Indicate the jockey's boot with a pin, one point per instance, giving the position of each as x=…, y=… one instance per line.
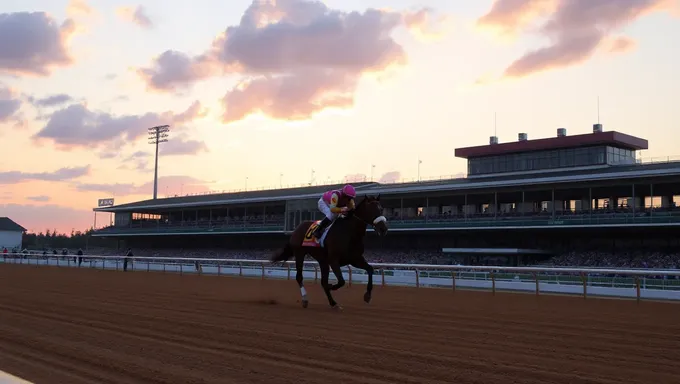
x=322, y=225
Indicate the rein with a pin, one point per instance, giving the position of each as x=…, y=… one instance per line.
x=375, y=222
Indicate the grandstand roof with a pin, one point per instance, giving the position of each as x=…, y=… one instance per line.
x=494, y=181
x=265, y=195
x=7, y=224
x=612, y=138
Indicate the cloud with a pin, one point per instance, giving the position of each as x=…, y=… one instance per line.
x=426, y=23
x=621, y=45
x=10, y=104
x=576, y=29
x=136, y=15
x=51, y=101
x=183, y=145
x=509, y=17
x=38, y=218
x=41, y=198
x=172, y=184
x=62, y=174
x=76, y=8
x=77, y=126
x=390, y=177
x=38, y=43
x=294, y=58
x=137, y=161
x=292, y=97
x=355, y=178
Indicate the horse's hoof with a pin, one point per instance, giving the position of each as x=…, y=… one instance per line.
x=305, y=303
x=337, y=307
x=367, y=298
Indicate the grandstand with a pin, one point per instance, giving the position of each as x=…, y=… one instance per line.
x=587, y=191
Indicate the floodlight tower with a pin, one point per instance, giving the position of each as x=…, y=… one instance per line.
x=157, y=135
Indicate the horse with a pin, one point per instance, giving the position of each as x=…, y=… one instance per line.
x=343, y=245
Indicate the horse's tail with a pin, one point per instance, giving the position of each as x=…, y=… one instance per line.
x=284, y=254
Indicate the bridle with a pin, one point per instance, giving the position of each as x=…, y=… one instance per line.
x=376, y=221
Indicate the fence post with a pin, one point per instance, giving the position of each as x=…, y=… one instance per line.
x=219, y=269
x=240, y=269
x=637, y=287
x=453, y=280
x=349, y=282
x=536, y=278
x=585, y=285
x=417, y=279
x=493, y=283
x=382, y=273
x=288, y=269
x=316, y=274
x=181, y=269
x=262, y=265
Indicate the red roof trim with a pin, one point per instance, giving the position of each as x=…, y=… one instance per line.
x=613, y=138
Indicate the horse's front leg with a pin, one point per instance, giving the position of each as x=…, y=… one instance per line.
x=363, y=264
x=325, y=271
x=338, y=275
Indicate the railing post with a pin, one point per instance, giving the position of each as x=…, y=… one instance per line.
x=181, y=269
x=417, y=279
x=219, y=269
x=240, y=269
x=585, y=285
x=493, y=283
x=148, y=266
x=637, y=287
x=382, y=273
x=316, y=274
x=288, y=270
x=262, y=265
x=453, y=280
x=349, y=281
x=536, y=278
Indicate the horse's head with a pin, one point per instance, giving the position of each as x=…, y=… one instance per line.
x=370, y=211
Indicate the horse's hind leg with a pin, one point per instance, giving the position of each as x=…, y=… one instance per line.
x=299, y=266
x=363, y=264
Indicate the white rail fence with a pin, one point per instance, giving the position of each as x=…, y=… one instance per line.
x=629, y=283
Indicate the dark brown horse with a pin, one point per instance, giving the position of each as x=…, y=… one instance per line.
x=343, y=245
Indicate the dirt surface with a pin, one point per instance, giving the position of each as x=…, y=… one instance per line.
x=61, y=325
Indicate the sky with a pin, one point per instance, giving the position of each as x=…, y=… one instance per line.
x=270, y=93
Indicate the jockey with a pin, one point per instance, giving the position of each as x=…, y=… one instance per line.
x=333, y=203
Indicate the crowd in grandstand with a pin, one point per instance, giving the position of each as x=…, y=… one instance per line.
x=631, y=259
x=594, y=259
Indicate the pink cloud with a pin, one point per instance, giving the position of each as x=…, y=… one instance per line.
x=173, y=184
x=136, y=15
x=10, y=104
x=78, y=126
x=576, y=28
x=38, y=43
x=295, y=57
x=62, y=174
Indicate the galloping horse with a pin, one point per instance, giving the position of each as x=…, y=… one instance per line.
x=342, y=245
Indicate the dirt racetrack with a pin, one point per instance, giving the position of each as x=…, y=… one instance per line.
x=61, y=325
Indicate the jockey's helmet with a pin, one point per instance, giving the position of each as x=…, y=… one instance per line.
x=349, y=191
